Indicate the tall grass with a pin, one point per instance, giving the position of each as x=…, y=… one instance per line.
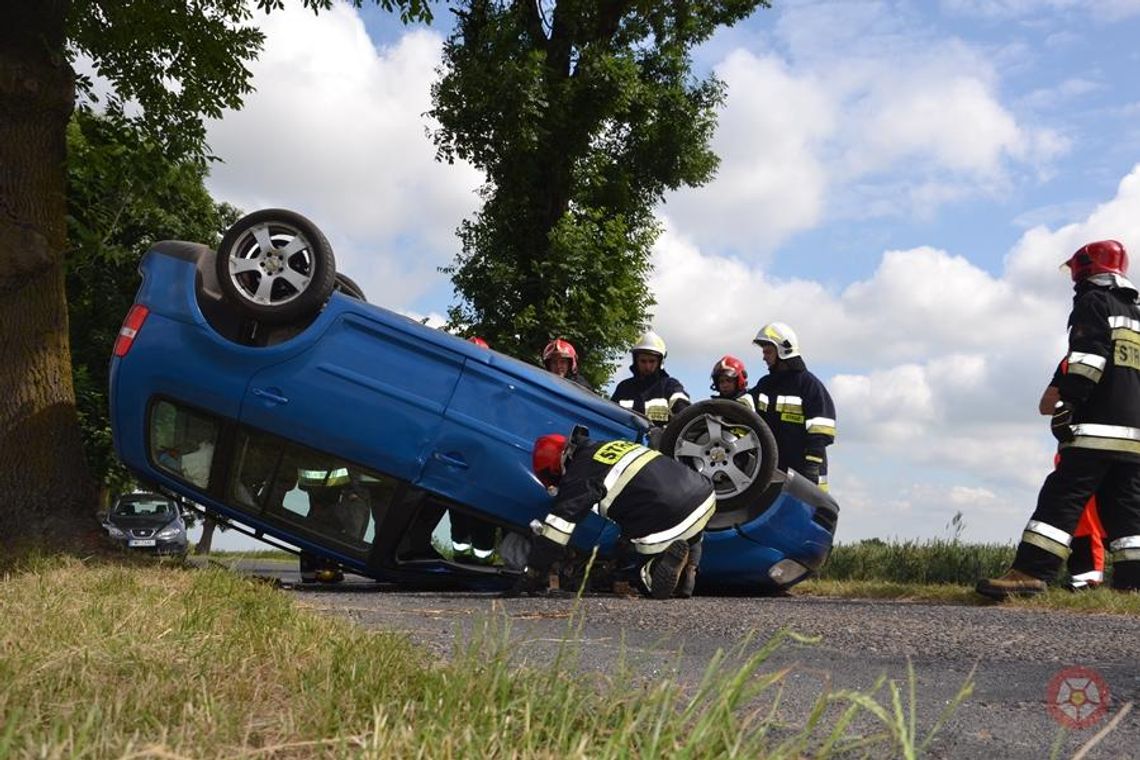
x=128, y=662
x=929, y=561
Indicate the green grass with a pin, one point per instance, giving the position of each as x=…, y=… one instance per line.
x=273, y=554
x=110, y=661
x=943, y=571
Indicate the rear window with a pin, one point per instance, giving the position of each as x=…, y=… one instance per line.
x=182, y=442
x=144, y=507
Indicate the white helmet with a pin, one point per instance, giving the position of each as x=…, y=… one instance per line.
x=650, y=343
x=781, y=336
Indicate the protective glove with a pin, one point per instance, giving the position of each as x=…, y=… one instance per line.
x=1061, y=423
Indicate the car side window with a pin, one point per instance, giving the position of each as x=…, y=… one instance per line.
x=182, y=442
x=315, y=495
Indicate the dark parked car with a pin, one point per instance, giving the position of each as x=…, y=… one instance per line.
x=257, y=382
x=147, y=522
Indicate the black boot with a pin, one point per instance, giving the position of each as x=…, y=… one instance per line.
x=662, y=573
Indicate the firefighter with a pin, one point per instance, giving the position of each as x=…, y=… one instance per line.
x=795, y=404
x=560, y=358
x=660, y=505
x=730, y=381
x=651, y=391
x=1086, y=562
x=1097, y=424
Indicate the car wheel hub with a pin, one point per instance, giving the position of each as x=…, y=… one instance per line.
x=716, y=456
x=273, y=264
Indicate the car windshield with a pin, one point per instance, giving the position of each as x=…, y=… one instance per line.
x=143, y=507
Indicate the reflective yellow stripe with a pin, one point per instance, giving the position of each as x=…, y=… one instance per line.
x=821, y=426
x=1048, y=544
x=655, y=543
x=789, y=404
x=628, y=472
x=1080, y=370
x=1124, y=334
x=1125, y=555
x=556, y=529
x=1103, y=444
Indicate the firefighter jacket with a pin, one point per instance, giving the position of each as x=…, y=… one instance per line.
x=658, y=396
x=742, y=397
x=655, y=500
x=1101, y=374
x=801, y=414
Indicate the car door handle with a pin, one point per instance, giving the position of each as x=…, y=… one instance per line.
x=455, y=460
x=272, y=395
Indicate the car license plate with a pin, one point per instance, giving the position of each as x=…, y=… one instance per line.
x=141, y=542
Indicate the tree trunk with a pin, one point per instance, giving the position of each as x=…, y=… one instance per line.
x=207, y=540
x=46, y=495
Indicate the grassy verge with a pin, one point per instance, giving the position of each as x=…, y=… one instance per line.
x=943, y=571
x=1098, y=600
x=110, y=661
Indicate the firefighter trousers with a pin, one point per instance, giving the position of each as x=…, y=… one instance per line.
x=1047, y=539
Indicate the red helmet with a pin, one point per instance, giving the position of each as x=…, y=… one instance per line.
x=560, y=348
x=730, y=366
x=547, y=458
x=1101, y=257
x=478, y=341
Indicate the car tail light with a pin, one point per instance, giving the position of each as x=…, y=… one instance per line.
x=131, y=326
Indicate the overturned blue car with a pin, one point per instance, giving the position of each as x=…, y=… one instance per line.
x=256, y=381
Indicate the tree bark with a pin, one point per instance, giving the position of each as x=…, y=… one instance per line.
x=207, y=540
x=47, y=497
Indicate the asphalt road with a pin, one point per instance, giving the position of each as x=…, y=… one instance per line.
x=1014, y=653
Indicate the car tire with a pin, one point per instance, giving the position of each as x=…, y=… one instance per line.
x=345, y=284
x=277, y=266
x=728, y=443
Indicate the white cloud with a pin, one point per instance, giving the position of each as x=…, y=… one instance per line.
x=1060, y=94
x=866, y=114
x=942, y=364
x=336, y=131
x=771, y=180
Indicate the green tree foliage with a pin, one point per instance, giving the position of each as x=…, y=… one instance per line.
x=177, y=63
x=123, y=194
x=202, y=48
x=582, y=114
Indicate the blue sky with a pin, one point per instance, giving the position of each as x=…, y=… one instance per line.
x=899, y=182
